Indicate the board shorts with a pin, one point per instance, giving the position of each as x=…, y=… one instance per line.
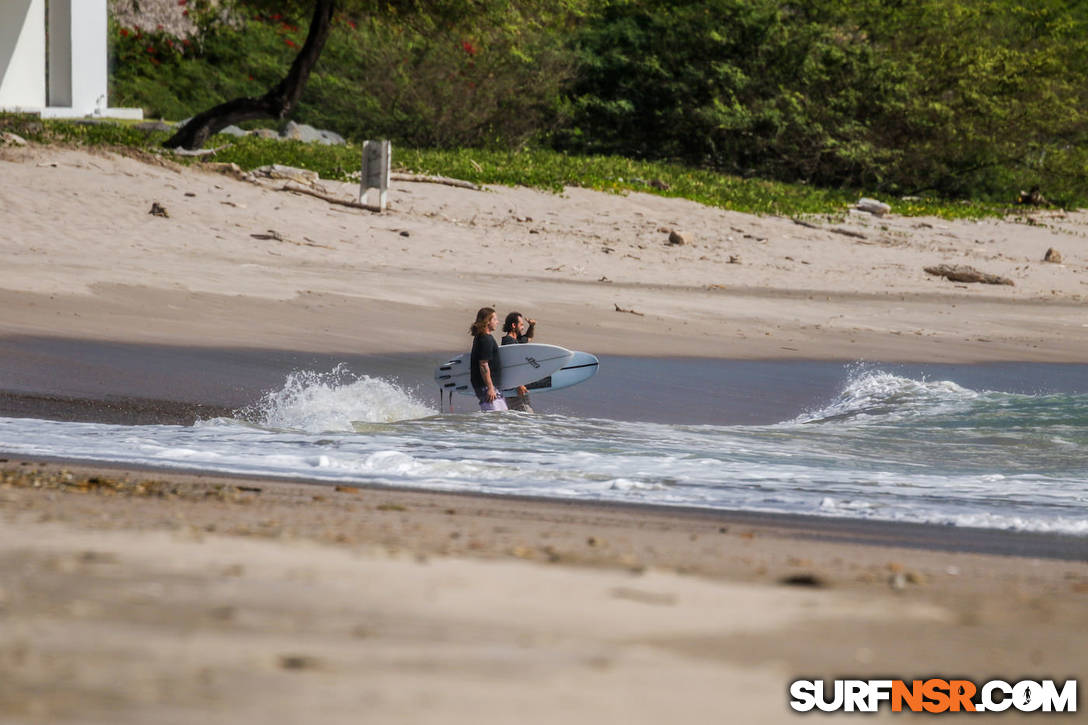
x=498, y=403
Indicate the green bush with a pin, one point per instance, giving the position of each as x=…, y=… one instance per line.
x=957, y=98
x=475, y=82
x=974, y=99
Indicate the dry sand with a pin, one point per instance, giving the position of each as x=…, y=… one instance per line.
x=208, y=600
x=244, y=265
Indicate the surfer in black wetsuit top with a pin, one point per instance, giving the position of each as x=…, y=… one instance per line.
x=485, y=367
x=519, y=330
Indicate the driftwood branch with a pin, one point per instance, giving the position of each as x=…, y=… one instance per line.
x=435, y=180
x=835, y=230
x=326, y=197
x=965, y=273
x=848, y=233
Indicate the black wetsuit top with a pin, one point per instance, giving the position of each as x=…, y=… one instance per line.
x=484, y=349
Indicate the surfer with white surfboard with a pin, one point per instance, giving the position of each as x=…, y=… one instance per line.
x=493, y=373
x=519, y=331
x=485, y=365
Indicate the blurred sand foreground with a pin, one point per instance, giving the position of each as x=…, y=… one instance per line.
x=138, y=598
x=240, y=264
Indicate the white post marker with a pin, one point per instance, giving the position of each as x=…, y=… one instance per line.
x=377, y=157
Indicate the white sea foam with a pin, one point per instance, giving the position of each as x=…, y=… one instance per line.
x=319, y=402
x=879, y=396
x=887, y=448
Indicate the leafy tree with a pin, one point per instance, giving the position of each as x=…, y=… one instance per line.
x=953, y=97
x=464, y=68
x=277, y=102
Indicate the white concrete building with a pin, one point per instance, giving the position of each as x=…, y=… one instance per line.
x=53, y=59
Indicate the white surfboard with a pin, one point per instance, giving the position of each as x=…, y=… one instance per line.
x=521, y=365
x=581, y=367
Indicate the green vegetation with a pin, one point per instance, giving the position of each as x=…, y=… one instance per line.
x=951, y=99
x=957, y=99
x=963, y=99
x=536, y=168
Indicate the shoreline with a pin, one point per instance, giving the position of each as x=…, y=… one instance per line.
x=93, y=380
x=131, y=598
x=835, y=530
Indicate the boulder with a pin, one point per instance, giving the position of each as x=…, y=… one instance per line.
x=11, y=139
x=233, y=131
x=331, y=138
x=874, y=207
x=678, y=238
x=309, y=134
x=1053, y=255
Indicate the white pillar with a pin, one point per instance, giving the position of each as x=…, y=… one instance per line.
x=22, y=54
x=78, y=57
x=374, y=185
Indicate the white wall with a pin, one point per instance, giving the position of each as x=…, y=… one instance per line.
x=90, y=75
x=22, y=53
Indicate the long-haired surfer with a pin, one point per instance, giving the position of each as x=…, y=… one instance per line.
x=484, y=363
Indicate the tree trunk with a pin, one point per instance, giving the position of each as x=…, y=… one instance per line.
x=277, y=103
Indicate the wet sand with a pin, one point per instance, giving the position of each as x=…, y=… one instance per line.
x=137, y=596
x=132, y=383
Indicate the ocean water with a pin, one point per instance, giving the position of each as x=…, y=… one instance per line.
x=886, y=446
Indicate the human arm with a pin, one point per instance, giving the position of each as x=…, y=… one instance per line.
x=485, y=373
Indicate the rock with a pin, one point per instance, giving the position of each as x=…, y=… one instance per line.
x=158, y=209
x=659, y=185
x=263, y=133
x=300, y=132
x=966, y=273
x=233, y=131
x=155, y=126
x=298, y=662
x=803, y=580
x=11, y=139
x=309, y=134
x=1053, y=255
x=331, y=138
x=874, y=207
x=677, y=238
